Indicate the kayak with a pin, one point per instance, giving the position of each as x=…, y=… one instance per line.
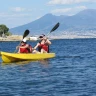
x=15, y=57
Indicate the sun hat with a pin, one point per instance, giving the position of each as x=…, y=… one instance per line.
x=24, y=40
x=41, y=36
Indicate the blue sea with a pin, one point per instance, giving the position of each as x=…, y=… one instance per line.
x=71, y=73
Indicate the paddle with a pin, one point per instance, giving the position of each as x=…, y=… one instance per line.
x=54, y=28
x=24, y=35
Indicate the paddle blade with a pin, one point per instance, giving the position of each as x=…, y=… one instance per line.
x=55, y=27
x=25, y=33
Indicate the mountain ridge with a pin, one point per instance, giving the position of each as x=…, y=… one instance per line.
x=84, y=20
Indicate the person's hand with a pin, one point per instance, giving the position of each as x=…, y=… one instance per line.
x=45, y=38
x=33, y=48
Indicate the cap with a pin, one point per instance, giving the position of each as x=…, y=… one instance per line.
x=24, y=40
x=41, y=36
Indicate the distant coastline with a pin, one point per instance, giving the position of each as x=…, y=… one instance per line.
x=19, y=37
x=72, y=37
x=11, y=38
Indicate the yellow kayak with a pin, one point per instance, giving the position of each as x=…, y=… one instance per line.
x=15, y=57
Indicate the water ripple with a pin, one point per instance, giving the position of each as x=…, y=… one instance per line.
x=70, y=73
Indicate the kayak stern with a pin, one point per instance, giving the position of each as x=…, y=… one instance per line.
x=15, y=57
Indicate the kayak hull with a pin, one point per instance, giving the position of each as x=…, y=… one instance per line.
x=15, y=57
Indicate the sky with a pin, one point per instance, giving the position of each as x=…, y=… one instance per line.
x=14, y=13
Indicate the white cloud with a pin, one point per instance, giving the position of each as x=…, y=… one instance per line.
x=9, y=15
x=61, y=10
x=68, y=11
x=81, y=7
x=53, y=2
x=18, y=9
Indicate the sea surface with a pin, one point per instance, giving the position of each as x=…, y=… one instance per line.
x=71, y=73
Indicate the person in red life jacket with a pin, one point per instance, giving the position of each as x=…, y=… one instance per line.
x=24, y=47
x=43, y=45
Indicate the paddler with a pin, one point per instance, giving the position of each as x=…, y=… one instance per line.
x=24, y=47
x=43, y=45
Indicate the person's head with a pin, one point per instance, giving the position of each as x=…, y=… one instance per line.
x=41, y=36
x=23, y=42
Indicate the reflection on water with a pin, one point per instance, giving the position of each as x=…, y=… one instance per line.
x=46, y=61
x=26, y=66
x=17, y=63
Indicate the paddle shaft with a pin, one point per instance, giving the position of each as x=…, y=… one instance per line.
x=54, y=28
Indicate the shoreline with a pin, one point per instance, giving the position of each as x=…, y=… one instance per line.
x=19, y=37
x=11, y=38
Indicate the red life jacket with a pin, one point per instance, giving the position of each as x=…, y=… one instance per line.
x=44, y=46
x=26, y=50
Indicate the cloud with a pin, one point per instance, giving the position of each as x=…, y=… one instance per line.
x=9, y=15
x=54, y=2
x=18, y=9
x=68, y=11
x=61, y=10
x=81, y=7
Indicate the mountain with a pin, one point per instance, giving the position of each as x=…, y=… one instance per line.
x=44, y=24
x=84, y=20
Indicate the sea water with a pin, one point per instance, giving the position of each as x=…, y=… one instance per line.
x=71, y=73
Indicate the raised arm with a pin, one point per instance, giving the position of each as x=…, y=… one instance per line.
x=47, y=41
x=36, y=46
